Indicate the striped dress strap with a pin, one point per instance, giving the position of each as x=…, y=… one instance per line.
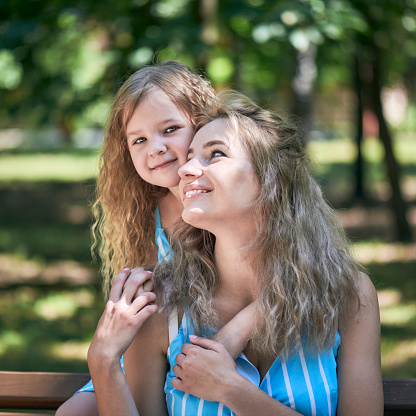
x=173, y=325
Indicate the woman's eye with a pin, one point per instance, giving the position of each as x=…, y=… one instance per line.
x=217, y=153
x=171, y=129
x=139, y=140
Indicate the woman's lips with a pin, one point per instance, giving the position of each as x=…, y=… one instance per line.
x=192, y=192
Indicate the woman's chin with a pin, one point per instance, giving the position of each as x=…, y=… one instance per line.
x=194, y=216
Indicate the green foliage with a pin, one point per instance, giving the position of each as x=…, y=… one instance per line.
x=62, y=60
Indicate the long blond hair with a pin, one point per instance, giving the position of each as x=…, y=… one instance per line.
x=124, y=226
x=302, y=255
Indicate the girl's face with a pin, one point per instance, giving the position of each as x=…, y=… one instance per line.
x=218, y=184
x=158, y=138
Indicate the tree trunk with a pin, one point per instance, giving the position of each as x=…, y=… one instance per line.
x=302, y=85
x=359, y=163
x=208, y=11
x=398, y=204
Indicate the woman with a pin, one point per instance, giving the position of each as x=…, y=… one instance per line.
x=258, y=231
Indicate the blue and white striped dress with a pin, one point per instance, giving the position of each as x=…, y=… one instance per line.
x=307, y=384
x=163, y=254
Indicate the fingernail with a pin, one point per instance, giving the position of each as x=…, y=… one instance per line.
x=148, y=271
x=194, y=337
x=126, y=269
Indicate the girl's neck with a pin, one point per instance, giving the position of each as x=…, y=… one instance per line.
x=170, y=208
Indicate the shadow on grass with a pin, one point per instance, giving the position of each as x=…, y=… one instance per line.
x=397, y=275
x=35, y=319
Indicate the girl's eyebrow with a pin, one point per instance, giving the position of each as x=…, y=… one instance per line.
x=162, y=122
x=209, y=144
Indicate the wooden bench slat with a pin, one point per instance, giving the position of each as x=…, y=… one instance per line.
x=399, y=394
x=24, y=414
x=38, y=390
x=30, y=390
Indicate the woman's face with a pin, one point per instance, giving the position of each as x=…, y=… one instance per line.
x=158, y=138
x=218, y=184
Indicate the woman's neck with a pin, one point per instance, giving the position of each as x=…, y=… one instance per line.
x=238, y=284
x=170, y=209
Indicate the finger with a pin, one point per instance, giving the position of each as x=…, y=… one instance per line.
x=177, y=383
x=145, y=287
x=143, y=300
x=177, y=369
x=180, y=358
x=132, y=284
x=118, y=283
x=140, y=317
x=206, y=343
x=148, y=285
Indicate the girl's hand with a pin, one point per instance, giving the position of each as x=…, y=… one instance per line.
x=127, y=309
x=143, y=280
x=203, y=368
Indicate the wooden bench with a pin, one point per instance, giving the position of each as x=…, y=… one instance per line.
x=21, y=392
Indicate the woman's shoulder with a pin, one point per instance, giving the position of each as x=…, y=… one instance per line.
x=366, y=290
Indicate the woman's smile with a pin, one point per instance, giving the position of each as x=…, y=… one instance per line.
x=192, y=191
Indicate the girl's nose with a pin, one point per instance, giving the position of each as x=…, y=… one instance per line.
x=190, y=170
x=157, y=146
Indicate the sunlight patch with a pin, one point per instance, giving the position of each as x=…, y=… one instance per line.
x=398, y=314
x=62, y=305
x=400, y=354
x=388, y=297
x=70, y=350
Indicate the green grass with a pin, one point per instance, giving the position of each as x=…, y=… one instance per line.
x=73, y=166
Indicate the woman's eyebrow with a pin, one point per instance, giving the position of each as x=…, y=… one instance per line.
x=209, y=144
x=214, y=143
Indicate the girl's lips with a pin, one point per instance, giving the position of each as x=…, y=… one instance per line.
x=163, y=165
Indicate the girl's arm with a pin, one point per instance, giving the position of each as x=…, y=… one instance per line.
x=359, y=368
x=235, y=334
x=125, y=314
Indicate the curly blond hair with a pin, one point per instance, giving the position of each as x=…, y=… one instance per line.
x=124, y=226
x=308, y=276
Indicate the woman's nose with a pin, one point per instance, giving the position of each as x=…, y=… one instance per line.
x=157, y=146
x=191, y=169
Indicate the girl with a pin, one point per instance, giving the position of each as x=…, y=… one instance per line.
x=258, y=231
x=151, y=125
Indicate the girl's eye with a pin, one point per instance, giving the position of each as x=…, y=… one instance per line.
x=139, y=140
x=171, y=129
x=217, y=153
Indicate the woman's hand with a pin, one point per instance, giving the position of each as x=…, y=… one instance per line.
x=202, y=368
x=128, y=307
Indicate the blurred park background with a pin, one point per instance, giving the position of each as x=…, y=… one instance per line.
x=346, y=68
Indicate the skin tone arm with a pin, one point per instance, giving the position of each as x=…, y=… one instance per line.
x=124, y=315
x=85, y=403
x=359, y=369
